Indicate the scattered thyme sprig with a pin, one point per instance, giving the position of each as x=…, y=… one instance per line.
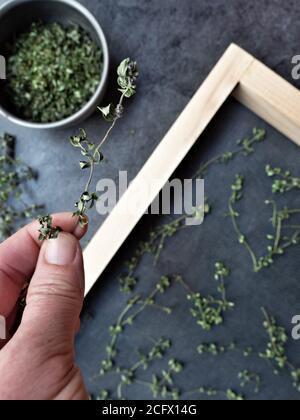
x=279, y=242
x=209, y=310
x=128, y=376
x=215, y=349
x=284, y=181
x=230, y=395
x=276, y=349
x=14, y=175
x=162, y=384
x=135, y=306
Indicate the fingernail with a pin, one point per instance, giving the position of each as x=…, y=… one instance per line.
x=61, y=251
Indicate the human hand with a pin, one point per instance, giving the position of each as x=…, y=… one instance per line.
x=37, y=362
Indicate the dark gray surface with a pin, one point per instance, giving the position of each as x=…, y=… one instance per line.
x=176, y=44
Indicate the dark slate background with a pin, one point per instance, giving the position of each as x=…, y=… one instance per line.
x=176, y=44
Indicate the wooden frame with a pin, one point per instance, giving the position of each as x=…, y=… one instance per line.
x=238, y=73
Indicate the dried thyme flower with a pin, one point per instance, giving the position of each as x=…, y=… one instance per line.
x=52, y=71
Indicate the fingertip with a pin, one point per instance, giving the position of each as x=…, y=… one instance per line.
x=62, y=250
x=80, y=230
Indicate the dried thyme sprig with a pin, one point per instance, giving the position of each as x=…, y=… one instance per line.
x=135, y=306
x=230, y=394
x=209, y=310
x=129, y=376
x=14, y=211
x=276, y=349
x=215, y=349
x=162, y=385
x=284, y=181
x=127, y=76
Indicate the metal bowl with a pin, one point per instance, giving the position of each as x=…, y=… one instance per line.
x=17, y=15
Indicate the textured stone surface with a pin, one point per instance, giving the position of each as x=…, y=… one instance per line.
x=176, y=43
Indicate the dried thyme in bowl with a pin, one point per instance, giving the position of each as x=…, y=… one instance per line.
x=52, y=71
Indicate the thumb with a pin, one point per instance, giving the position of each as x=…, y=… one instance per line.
x=56, y=291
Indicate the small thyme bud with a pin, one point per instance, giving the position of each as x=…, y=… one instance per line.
x=119, y=111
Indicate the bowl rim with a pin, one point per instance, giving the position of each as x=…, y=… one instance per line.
x=93, y=101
